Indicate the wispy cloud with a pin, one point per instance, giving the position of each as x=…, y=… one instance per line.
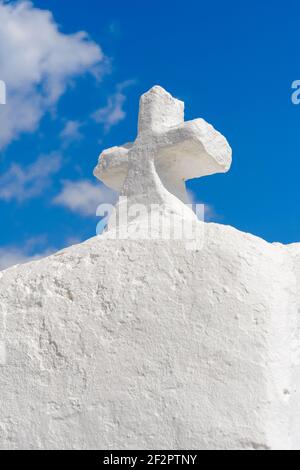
x=24, y=183
x=10, y=256
x=37, y=62
x=83, y=197
x=71, y=132
x=32, y=249
x=113, y=112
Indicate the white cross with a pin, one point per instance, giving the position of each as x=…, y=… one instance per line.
x=166, y=153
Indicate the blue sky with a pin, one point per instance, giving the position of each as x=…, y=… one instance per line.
x=70, y=96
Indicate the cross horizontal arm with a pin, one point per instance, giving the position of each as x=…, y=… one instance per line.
x=112, y=167
x=192, y=150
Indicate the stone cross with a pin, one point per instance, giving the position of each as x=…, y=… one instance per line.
x=166, y=153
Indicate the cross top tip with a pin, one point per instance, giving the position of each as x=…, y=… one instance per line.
x=159, y=110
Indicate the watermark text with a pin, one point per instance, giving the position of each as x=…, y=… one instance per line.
x=2, y=92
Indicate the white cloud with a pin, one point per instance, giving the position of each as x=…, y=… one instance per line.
x=113, y=112
x=84, y=197
x=37, y=62
x=23, y=183
x=31, y=250
x=10, y=256
x=71, y=132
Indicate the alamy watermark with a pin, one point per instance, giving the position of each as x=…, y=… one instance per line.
x=152, y=222
x=296, y=93
x=2, y=92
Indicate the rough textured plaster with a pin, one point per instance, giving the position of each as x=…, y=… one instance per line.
x=145, y=344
